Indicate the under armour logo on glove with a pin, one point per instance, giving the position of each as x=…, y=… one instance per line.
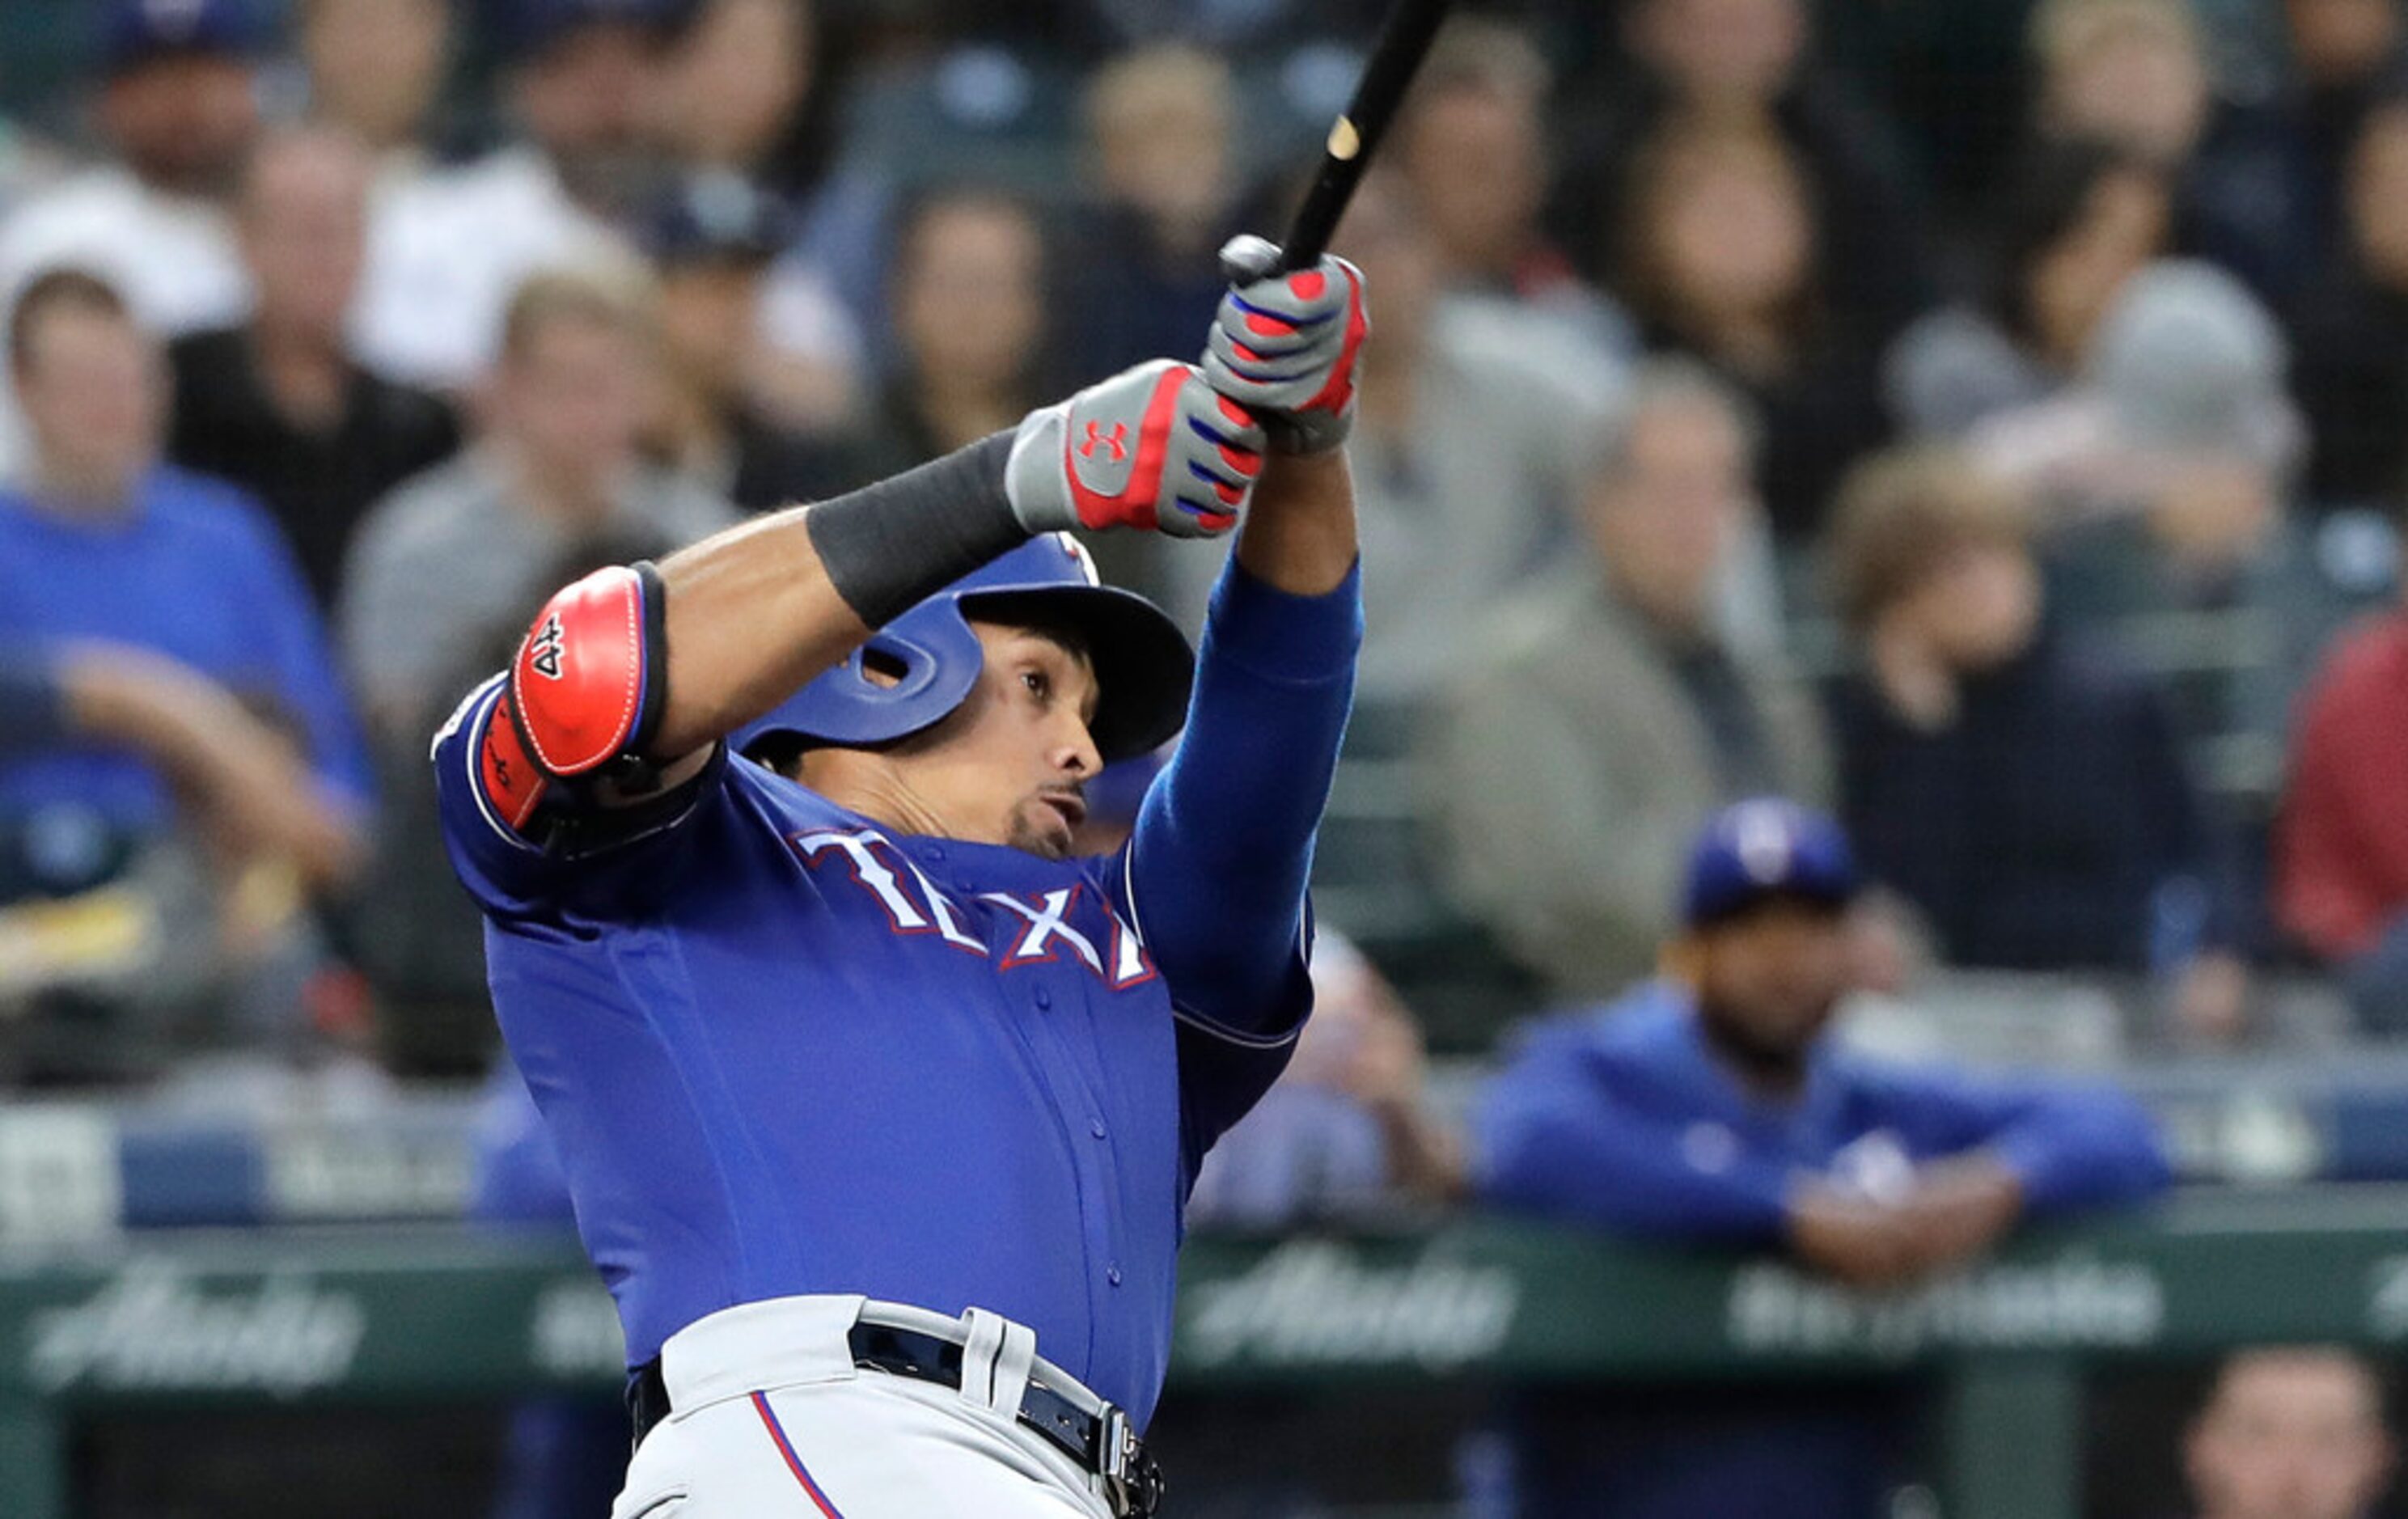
x=1117, y=440
x=1286, y=345
x=1153, y=447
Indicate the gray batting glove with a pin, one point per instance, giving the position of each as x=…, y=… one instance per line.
x=1284, y=346
x=1154, y=447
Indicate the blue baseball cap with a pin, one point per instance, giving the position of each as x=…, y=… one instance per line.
x=1765, y=847
x=717, y=218
x=527, y=28
x=136, y=32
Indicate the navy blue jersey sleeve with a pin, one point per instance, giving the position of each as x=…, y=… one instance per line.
x=556, y=856
x=1562, y=1135
x=2073, y=1145
x=1215, y=876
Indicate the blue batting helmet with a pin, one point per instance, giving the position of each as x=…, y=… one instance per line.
x=1766, y=848
x=930, y=657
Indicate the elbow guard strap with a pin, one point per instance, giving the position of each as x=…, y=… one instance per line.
x=590, y=681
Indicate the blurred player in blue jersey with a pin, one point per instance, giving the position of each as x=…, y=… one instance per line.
x=1713, y=1106
x=879, y=1103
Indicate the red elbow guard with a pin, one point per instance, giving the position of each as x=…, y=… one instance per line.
x=591, y=680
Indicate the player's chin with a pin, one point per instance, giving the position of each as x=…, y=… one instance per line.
x=1042, y=830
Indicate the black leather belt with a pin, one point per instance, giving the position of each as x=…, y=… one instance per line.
x=1102, y=1444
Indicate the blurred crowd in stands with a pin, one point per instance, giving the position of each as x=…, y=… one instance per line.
x=1991, y=431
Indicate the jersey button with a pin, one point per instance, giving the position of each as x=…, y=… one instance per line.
x=1112, y=1275
x=1095, y=1127
x=1043, y=998
x=934, y=852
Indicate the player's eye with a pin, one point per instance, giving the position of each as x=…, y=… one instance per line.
x=1039, y=683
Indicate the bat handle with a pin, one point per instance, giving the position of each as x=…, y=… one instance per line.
x=1308, y=237
x=1317, y=218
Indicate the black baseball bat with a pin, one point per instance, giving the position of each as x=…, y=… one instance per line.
x=1404, y=41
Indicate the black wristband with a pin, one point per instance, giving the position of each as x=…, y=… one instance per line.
x=889, y=546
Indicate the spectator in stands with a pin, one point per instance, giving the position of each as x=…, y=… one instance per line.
x=1611, y=705
x=2027, y=794
x=2170, y=474
x=1347, y=1130
x=2079, y=220
x=2290, y=1433
x=730, y=106
x=1710, y=1107
x=970, y=300
x=713, y=244
x=1474, y=146
x=443, y=577
x=1746, y=64
x=2136, y=73
x=732, y=89
x=1723, y=263
x=2340, y=855
x=179, y=701
x=2354, y=329
x=446, y=251
x=2185, y=367
x=1953, y=79
x=374, y=69
x=278, y=405
x=451, y=553
x=1163, y=193
x=176, y=110
x=2344, y=60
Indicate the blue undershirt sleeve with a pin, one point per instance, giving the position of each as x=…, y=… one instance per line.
x=1216, y=871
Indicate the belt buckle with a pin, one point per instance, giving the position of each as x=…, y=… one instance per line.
x=1133, y=1483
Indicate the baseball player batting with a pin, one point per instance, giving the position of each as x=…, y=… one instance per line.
x=880, y=1105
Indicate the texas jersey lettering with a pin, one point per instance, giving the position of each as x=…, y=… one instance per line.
x=1038, y=929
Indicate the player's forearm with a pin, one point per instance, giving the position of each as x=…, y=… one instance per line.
x=752, y=617
x=754, y=613
x=1300, y=537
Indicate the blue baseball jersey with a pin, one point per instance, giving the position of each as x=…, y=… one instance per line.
x=783, y=1049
